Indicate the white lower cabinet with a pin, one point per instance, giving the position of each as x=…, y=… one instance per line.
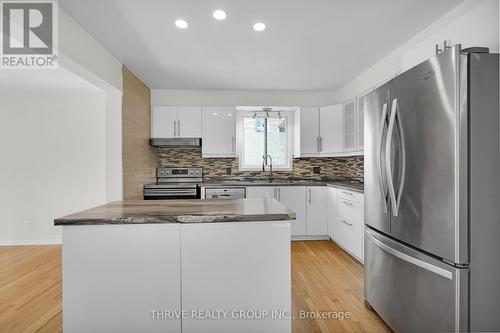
x=348, y=227
x=308, y=204
x=114, y=277
x=235, y=267
x=294, y=197
x=137, y=278
x=316, y=211
x=321, y=212
x=261, y=192
x=332, y=210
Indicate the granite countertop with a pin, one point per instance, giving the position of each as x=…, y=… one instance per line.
x=180, y=211
x=341, y=183
x=348, y=185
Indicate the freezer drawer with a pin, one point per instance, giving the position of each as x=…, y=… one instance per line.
x=411, y=291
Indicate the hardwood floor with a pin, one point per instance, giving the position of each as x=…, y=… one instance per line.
x=324, y=278
x=30, y=288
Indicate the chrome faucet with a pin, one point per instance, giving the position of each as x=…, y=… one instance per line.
x=264, y=163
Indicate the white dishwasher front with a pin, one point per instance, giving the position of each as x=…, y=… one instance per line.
x=225, y=193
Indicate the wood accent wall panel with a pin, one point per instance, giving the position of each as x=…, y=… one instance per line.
x=139, y=161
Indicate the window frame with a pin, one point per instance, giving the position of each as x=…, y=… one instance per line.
x=289, y=118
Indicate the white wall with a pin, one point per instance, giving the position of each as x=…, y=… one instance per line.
x=240, y=97
x=472, y=23
x=53, y=161
x=84, y=56
x=61, y=152
x=114, y=165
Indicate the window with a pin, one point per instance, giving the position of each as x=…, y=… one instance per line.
x=263, y=134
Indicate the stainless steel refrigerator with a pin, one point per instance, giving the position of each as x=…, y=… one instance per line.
x=432, y=195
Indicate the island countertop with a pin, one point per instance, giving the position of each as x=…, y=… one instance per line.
x=180, y=211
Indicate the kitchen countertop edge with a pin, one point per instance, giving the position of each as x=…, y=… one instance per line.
x=337, y=184
x=182, y=219
x=180, y=211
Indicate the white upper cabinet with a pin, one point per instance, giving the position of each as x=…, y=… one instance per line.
x=360, y=123
x=309, y=131
x=218, y=131
x=163, y=121
x=331, y=129
x=189, y=122
x=175, y=121
x=350, y=126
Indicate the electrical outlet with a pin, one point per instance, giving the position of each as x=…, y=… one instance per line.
x=228, y=171
x=316, y=170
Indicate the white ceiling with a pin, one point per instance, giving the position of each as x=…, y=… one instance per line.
x=308, y=44
x=44, y=81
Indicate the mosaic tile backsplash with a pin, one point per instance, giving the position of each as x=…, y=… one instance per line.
x=217, y=168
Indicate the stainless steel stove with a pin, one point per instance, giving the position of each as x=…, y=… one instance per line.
x=175, y=183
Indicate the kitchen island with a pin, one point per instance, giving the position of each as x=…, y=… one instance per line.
x=178, y=266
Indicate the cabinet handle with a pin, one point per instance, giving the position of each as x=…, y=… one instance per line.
x=179, y=128
x=345, y=222
x=175, y=129
x=320, y=144
x=347, y=193
x=347, y=203
x=279, y=194
x=317, y=144
x=310, y=196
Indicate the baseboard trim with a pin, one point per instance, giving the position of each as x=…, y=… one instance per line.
x=31, y=242
x=307, y=238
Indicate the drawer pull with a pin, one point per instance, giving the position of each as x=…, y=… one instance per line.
x=347, y=203
x=344, y=221
x=347, y=193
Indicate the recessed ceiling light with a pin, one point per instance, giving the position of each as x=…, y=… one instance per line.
x=259, y=26
x=219, y=14
x=181, y=24
x=215, y=113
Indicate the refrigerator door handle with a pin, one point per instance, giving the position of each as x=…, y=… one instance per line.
x=412, y=260
x=388, y=154
x=403, y=155
x=383, y=120
x=395, y=117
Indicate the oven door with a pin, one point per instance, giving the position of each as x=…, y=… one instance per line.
x=171, y=193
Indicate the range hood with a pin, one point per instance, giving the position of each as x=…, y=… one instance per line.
x=175, y=142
